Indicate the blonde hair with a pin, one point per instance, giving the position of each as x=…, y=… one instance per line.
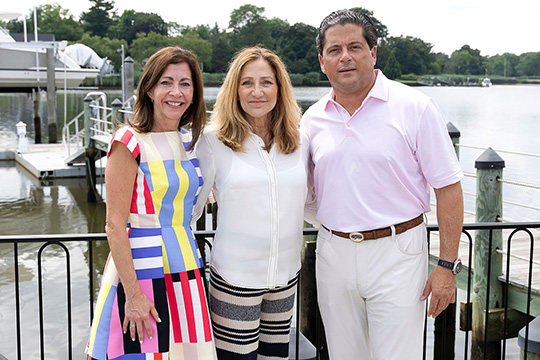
x=143, y=110
x=229, y=117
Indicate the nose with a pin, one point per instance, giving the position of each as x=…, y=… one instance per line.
x=176, y=90
x=345, y=56
x=257, y=90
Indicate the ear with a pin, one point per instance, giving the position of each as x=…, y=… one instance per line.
x=149, y=93
x=321, y=61
x=374, y=54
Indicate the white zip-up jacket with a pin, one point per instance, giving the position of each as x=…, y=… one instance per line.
x=261, y=197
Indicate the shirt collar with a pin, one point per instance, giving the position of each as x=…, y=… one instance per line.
x=378, y=91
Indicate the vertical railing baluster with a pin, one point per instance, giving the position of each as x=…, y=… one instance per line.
x=17, y=298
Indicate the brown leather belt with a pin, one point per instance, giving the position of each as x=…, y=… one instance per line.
x=379, y=233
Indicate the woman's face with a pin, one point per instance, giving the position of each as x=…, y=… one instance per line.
x=173, y=93
x=257, y=89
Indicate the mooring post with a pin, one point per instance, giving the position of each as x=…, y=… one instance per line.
x=51, y=98
x=487, y=289
x=129, y=78
x=455, y=134
x=444, y=332
x=90, y=153
x=37, y=118
x=529, y=340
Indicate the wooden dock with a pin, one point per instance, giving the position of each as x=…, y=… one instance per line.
x=47, y=161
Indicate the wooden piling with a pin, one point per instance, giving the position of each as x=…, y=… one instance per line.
x=129, y=78
x=37, y=118
x=487, y=289
x=90, y=154
x=51, y=98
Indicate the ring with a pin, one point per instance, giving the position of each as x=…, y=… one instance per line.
x=132, y=325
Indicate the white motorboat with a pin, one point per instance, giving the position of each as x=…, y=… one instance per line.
x=486, y=82
x=23, y=65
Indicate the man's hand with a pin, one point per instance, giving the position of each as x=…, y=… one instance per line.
x=441, y=285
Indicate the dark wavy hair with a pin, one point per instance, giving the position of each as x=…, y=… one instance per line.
x=343, y=17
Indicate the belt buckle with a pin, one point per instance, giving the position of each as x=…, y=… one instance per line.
x=357, y=237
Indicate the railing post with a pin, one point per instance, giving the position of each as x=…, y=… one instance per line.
x=488, y=291
x=444, y=329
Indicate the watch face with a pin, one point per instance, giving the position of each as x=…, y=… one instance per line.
x=457, y=266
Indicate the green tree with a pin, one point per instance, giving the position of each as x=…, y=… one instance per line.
x=249, y=27
x=277, y=28
x=413, y=54
x=382, y=30
x=132, y=23
x=193, y=42
x=529, y=64
x=439, y=62
x=147, y=44
x=466, y=61
x=99, y=18
x=503, y=65
x=392, y=69
x=51, y=19
x=298, y=50
x=222, y=50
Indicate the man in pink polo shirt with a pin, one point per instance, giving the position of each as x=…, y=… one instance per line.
x=376, y=148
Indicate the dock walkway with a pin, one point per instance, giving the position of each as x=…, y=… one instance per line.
x=47, y=161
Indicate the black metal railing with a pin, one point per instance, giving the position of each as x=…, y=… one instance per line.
x=441, y=349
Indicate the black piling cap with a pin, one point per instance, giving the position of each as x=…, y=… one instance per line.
x=116, y=102
x=489, y=160
x=453, y=130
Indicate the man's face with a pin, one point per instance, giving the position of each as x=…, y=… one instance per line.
x=347, y=59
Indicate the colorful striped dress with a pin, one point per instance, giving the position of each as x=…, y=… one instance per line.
x=167, y=260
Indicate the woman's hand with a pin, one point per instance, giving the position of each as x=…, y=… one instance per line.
x=138, y=310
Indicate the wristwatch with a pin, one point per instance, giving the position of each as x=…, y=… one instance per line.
x=454, y=266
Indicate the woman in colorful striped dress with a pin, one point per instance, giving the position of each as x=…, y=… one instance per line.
x=152, y=302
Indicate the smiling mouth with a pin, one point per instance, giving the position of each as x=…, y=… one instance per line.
x=174, y=103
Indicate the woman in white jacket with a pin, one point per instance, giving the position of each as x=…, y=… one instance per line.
x=255, y=159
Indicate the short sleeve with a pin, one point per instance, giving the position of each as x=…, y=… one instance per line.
x=126, y=136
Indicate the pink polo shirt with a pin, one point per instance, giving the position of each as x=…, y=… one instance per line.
x=373, y=169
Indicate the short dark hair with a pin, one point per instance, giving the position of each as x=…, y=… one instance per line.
x=343, y=17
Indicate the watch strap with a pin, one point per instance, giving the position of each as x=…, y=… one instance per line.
x=446, y=264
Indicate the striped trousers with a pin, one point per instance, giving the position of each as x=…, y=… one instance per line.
x=251, y=324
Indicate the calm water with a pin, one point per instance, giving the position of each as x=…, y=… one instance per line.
x=501, y=117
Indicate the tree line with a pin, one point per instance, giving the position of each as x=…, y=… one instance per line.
x=141, y=34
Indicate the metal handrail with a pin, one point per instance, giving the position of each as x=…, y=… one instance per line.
x=200, y=235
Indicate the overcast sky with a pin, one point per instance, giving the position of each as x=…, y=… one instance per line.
x=492, y=26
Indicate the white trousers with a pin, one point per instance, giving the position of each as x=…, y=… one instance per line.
x=369, y=295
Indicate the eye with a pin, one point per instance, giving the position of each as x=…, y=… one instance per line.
x=246, y=83
x=268, y=82
x=165, y=83
x=185, y=84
